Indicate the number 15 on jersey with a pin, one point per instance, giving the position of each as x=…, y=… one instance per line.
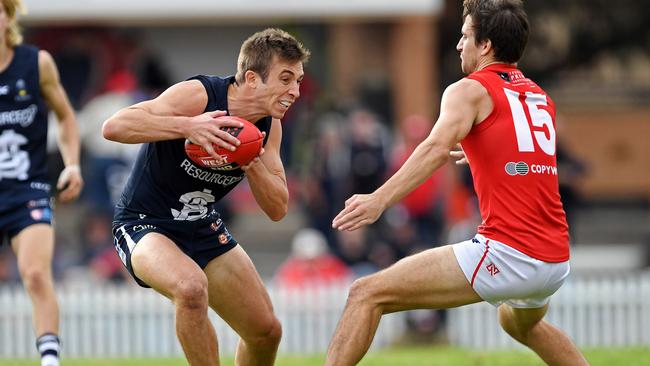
x=539, y=118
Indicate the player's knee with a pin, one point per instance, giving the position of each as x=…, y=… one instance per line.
x=268, y=337
x=191, y=293
x=510, y=326
x=361, y=291
x=35, y=279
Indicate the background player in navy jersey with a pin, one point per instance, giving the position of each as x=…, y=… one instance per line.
x=166, y=230
x=29, y=84
x=519, y=257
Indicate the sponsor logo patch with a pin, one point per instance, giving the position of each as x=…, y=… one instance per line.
x=519, y=168
x=522, y=168
x=216, y=225
x=41, y=214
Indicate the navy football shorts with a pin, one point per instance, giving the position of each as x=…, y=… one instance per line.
x=201, y=242
x=15, y=218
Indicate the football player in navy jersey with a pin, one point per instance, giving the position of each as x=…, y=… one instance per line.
x=29, y=84
x=167, y=231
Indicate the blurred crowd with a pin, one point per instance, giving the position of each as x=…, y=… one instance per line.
x=330, y=153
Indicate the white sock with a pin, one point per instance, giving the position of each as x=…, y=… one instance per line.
x=48, y=346
x=49, y=360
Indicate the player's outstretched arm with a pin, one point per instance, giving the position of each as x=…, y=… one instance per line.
x=177, y=113
x=70, y=181
x=267, y=178
x=458, y=110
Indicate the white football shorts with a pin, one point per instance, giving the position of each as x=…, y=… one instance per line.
x=501, y=274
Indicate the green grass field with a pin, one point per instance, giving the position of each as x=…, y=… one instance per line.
x=434, y=356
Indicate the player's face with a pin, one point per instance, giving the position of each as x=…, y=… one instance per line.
x=469, y=50
x=282, y=87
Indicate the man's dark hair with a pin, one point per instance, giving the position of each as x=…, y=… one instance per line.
x=258, y=51
x=503, y=22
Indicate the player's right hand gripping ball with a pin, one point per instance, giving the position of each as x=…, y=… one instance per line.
x=251, y=143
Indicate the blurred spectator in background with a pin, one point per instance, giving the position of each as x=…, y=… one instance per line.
x=108, y=164
x=461, y=206
x=423, y=205
x=311, y=264
x=570, y=170
x=353, y=249
x=86, y=57
x=369, y=148
x=350, y=153
x=99, y=252
x=327, y=167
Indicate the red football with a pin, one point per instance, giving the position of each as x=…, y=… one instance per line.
x=251, y=142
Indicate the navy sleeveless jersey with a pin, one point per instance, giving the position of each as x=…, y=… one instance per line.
x=166, y=184
x=23, y=128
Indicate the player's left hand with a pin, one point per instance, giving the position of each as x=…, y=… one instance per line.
x=360, y=210
x=257, y=159
x=459, y=155
x=70, y=183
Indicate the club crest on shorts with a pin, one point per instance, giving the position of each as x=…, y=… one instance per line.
x=492, y=269
x=225, y=237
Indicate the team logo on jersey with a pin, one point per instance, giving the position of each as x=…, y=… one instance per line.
x=4, y=89
x=14, y=162
x=22, y=94
x=195, y=205
x=519, y=168
x=505, y=76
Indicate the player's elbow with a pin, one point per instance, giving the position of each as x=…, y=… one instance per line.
x=111, y=130
x=278, y=212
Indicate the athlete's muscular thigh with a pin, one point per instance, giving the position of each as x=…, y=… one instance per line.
x=34, y=246
x=430, y=279
x=236, y=292
x=158, y=262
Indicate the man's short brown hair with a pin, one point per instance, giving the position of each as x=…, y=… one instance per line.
x=258, y=51
x=503, y=22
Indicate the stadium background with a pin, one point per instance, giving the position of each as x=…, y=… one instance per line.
x=370, y=93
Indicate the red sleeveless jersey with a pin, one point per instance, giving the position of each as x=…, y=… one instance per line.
x=513, y=164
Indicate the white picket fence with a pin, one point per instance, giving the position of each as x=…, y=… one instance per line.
x=127, y=321
x=603, y=311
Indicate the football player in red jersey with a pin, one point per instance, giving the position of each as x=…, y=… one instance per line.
x=519, y=257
